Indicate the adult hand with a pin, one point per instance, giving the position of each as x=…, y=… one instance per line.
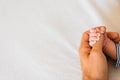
x=110, y=48
x=93, y=61
x=110, y=38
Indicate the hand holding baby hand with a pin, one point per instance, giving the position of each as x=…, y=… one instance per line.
x=93, y=61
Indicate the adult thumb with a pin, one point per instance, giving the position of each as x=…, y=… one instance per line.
x=99, y=44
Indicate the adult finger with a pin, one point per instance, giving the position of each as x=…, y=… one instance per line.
x=84, y=46
x=99, y=44
x=114, y=36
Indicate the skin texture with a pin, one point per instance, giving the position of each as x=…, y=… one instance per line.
x=110, y=39
x=93, y=61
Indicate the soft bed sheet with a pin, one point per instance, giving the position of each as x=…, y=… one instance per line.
x=39, y=39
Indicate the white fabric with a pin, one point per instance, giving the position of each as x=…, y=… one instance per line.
x=39, y=39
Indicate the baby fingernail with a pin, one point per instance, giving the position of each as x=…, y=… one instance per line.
x=92, y=43
x=98, y=38
x=92, y=30
x=103, y=29
x=93, y=34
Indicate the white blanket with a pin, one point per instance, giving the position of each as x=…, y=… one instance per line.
x=39, y=39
